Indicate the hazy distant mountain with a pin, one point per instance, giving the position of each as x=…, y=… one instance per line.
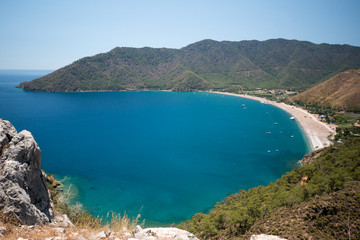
x=207, y=64
x=340, y=92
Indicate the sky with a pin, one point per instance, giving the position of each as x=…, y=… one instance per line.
x=43, y=34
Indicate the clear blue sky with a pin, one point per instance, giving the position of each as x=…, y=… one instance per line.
x=44, y=34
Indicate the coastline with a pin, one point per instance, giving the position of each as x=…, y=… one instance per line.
x=316, y=132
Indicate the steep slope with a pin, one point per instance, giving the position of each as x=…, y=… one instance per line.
x=341, y=92
x=24, y=195
x=119, y=69
x=207, y=64
x=330, y=216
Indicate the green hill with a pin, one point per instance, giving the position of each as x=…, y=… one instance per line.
x=204, y=65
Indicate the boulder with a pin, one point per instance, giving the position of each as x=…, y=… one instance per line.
x=23, y=190
x=61, y=220
x=162, y=233
x=265, y=237
x=7, y=132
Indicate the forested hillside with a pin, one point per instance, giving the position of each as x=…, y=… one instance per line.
x=205, y=65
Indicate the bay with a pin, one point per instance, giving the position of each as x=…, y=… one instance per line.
x=163, y=155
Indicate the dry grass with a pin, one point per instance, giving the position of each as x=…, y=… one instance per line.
x=9, y=219
x=340, y=92
x=119, y=227
x=119, y=222
x=85, y=225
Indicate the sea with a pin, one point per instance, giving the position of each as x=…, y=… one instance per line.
x=163, y=155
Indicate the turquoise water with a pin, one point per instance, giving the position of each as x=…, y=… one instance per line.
x=164, y=155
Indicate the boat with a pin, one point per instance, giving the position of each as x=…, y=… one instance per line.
x=243, y=105
x=275, y=123
x=268, y=133
x=292, y=118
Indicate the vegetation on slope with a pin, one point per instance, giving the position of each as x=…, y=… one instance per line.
x=315, y=194
x=207, y=64
x=342, y=92
x=332, y=215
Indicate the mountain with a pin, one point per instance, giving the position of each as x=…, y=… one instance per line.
x=208, y=64
x=341, y=92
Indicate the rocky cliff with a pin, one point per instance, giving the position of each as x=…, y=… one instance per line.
x=24, y=195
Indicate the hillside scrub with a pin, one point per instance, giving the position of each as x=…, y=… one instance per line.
x=204, y=65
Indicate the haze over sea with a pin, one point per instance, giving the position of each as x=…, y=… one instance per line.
x=164, y=155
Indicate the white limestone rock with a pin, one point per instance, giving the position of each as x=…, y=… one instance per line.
x=23, y=189
x=103, y=234
x=62, y=221
x=80, y=238
x=7, y=132
x=2, y=231
x=162, y=233
x=266, y=237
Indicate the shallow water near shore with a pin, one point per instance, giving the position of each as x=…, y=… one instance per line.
x=163, y=155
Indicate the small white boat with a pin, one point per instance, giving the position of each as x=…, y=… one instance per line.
x=275, y=123
x=292, y=136
x=292, y=118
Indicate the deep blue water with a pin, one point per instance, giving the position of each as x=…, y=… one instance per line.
x=164, y=155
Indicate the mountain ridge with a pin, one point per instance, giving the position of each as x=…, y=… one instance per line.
x=204, y=65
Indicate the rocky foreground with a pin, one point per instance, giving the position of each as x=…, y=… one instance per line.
x=24, y=195
x=26, y=208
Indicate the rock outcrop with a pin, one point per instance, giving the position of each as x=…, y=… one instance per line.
x=162, y=233
x=311, y=156
x=23, y=190
x=265, y=237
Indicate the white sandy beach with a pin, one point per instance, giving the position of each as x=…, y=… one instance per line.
x=316, y=131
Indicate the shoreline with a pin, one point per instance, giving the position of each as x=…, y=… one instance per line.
x=316, y=132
